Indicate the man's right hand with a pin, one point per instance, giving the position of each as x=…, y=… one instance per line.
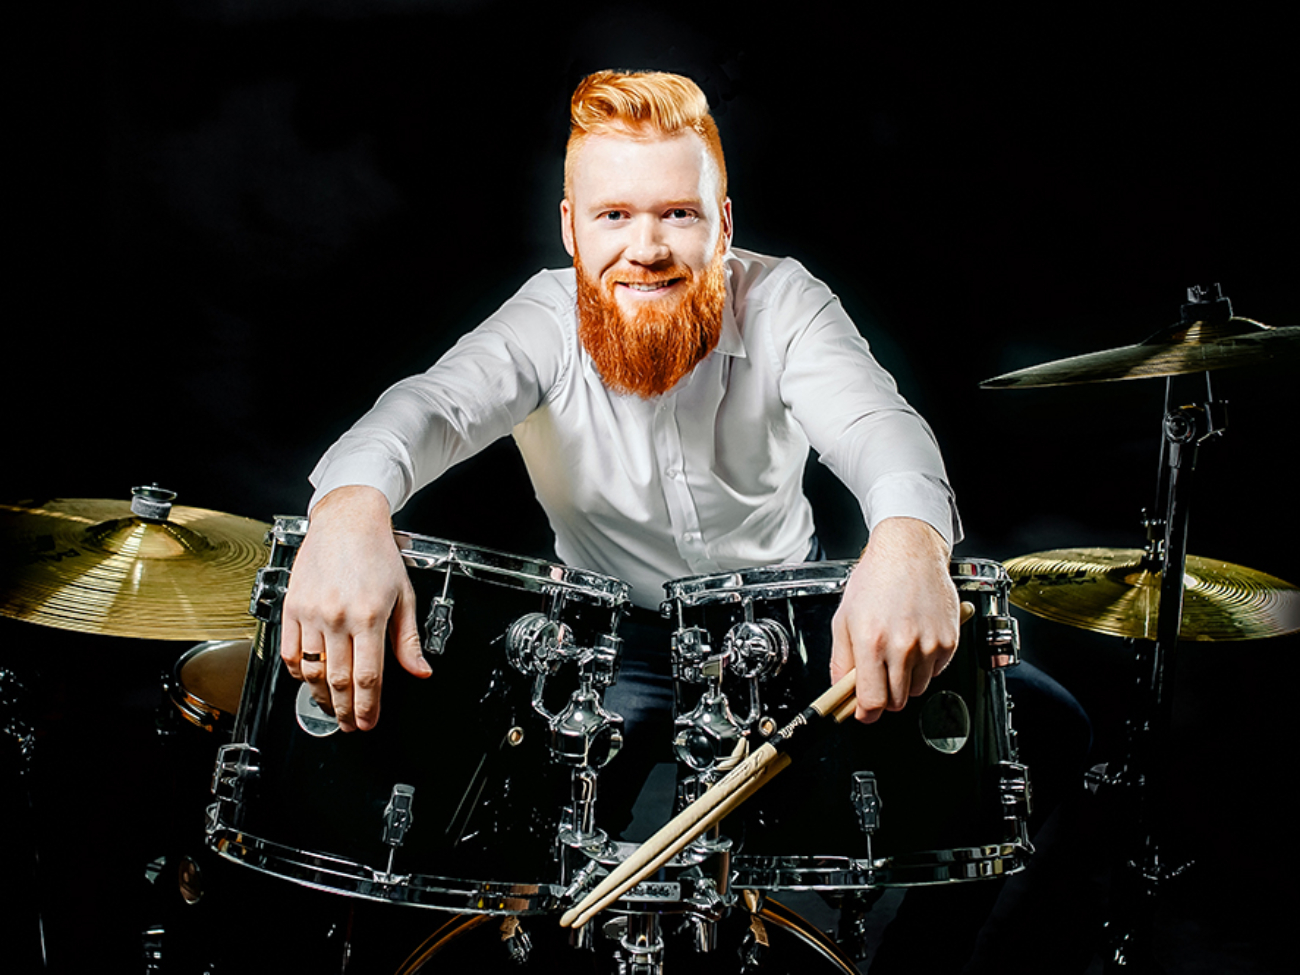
x=347, y=589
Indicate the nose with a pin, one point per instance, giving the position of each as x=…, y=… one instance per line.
x=648, y=245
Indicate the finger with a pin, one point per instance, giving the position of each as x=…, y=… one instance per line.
x=841, y=649
x=406, y=635
x=367, y=677
x=313, y=667
x=338, y=670
x=872, y=690
x=291, y=646
x=899, y=680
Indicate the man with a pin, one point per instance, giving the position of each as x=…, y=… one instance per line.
x=664, y=394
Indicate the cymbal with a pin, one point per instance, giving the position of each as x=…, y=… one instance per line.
x=1111, y=591
x=133, y=569
x=1198, y=346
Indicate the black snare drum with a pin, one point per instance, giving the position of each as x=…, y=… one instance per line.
x=928, y=794
x=474, y=781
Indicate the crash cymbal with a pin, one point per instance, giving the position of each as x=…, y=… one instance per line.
x=1111, y=591
x=1195, y=347
x=133, y=569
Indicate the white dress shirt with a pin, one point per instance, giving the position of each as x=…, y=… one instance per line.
x=705, y=478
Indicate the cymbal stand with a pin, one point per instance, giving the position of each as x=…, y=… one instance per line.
x=1138, y=868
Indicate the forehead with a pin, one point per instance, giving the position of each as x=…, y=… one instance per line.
x=613, y=168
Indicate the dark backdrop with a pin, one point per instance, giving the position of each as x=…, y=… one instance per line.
x=236, y=223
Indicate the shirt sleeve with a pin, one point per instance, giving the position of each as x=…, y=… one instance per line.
x=475, y=394
x=849, y=406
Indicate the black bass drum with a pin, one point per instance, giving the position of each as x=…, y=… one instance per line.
x=929, y=794
x=768, y=938
x=475, y=782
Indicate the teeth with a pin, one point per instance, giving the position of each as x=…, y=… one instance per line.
x=647, y=287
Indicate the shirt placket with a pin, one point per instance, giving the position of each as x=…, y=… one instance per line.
x=683, y=514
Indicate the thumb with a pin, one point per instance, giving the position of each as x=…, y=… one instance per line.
x=406, y=635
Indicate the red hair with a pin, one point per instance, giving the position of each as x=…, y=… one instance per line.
x=641, y=104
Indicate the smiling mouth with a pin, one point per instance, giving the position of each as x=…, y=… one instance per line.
x=650, y=286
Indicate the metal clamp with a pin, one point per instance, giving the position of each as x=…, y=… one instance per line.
x=269, y=589
x=236, y=764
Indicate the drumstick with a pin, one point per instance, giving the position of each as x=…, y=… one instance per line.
x=691, y=821
x=724, y=796
x=640, y=865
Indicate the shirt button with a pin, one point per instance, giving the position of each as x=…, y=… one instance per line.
x=672, y=472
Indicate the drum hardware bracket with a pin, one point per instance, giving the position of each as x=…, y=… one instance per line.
x=269, y=589
x=707, y=735
x=236, y=763
x=515, y=939
x=756, y=945
x=640, y=939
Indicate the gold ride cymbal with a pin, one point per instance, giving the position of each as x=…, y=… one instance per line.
x=1187, y=348
x=1110, y=591
x=134, y=569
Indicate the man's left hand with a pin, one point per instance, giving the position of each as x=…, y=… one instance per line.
x=898, y=618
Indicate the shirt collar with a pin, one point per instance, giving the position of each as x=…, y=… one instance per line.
x=730, y=341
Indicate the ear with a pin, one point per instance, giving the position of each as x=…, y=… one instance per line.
x=566, y=226
x=728, y=228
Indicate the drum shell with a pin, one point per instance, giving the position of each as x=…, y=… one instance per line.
x=936, y=808
x=487, y=800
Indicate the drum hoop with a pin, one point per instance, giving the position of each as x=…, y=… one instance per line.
x=517, y=571
x=323, y=871
x=193, y=708
x=809, y=579
x=915, y=869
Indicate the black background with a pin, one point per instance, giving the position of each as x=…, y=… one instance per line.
x=236, y=223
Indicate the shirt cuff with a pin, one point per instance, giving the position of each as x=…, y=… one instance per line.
x=918, y=496
x=374, y=470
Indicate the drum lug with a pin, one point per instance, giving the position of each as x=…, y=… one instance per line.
x=437, y=625
x=269, y=588
x=236, y=763
x=397, y=814
x=1004, y=642
x=1013, y=788
x=866, y=802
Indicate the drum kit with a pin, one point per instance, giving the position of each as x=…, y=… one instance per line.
x=477, y=795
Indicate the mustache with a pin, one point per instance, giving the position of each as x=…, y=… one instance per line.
x=648, y=276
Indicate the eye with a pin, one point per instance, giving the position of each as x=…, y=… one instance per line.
x=681, y=214
x=612, y=216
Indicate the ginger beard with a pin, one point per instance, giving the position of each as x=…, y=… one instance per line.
x=648, y=352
